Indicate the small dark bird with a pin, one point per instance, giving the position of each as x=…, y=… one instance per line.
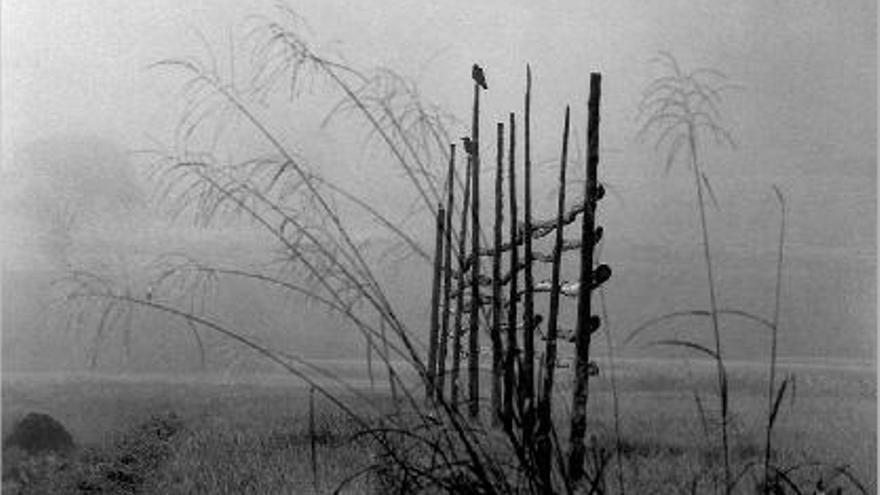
x=479, y=76
x=469, y=146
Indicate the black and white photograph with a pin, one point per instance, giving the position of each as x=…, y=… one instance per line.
x=585, y=247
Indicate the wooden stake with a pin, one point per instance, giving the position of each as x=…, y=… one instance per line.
x=447, y=276
x=580, y=393
x=459, y=303
x=545, y=402
x=527, y=371
x=435, y=303
x=474, y=327
x=497, y=349
x=512, y=351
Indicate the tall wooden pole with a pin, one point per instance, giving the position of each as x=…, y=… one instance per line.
x=447, y=276
x=497, y=348
x=584, y=327
x=435, y=303
x=474, y=327
x=527, y=371
x=545, y=402
x=458, y=329
x=512, y=350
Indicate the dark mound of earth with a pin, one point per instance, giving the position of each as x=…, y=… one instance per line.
x=39, y=433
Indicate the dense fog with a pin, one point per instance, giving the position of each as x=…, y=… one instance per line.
x=83, y=114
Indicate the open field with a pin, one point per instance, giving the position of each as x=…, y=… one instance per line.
x=251, y=434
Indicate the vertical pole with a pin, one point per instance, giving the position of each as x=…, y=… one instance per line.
x=474, y=327
x=435, y=304
x=580, y=394
x=447, y=276
x=510, y=360
x=527, y=371
x=497, y=348
x=545, y=402
x=458, y=330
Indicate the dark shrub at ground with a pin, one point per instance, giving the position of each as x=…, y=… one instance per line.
x=135, y=456
x=122, y=468
x=39, y=433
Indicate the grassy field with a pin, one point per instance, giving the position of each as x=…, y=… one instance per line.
x=252, y=436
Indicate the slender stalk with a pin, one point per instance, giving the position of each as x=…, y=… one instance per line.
x=580, y=393
x=612, y=372
x=459, y=305
x=391, y=378
x=474, y=327
x=447, y=276
x=527, y=370
x=615, y=398
x=369, y=341
x=313, y=439
x=713, y=304
x=680, y=105
x=545, y=401
x=435, y=304
x=497, y=303
x=772, y=385
x=512, y=351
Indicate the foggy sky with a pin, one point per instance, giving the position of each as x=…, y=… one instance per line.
x=805, y=118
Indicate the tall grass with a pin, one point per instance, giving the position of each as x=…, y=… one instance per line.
x=682, y=109
x=285, y=197
x=678, y=107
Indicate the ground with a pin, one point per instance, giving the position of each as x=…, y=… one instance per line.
x=251, y=435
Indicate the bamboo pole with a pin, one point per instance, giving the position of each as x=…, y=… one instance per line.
x=545, y=401
x=447, y=277
x=474, y=327
x=459, y=304
x=580, y=393
x=497, y=348
x=435, y=303
x=527, y=371
x=510, y=359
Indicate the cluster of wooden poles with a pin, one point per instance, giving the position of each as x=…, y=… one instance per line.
x=520, y=400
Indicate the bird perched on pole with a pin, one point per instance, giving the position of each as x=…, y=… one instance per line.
x=479, y=76
x=469, y=146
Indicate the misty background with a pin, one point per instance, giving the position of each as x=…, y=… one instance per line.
x=78, y=102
